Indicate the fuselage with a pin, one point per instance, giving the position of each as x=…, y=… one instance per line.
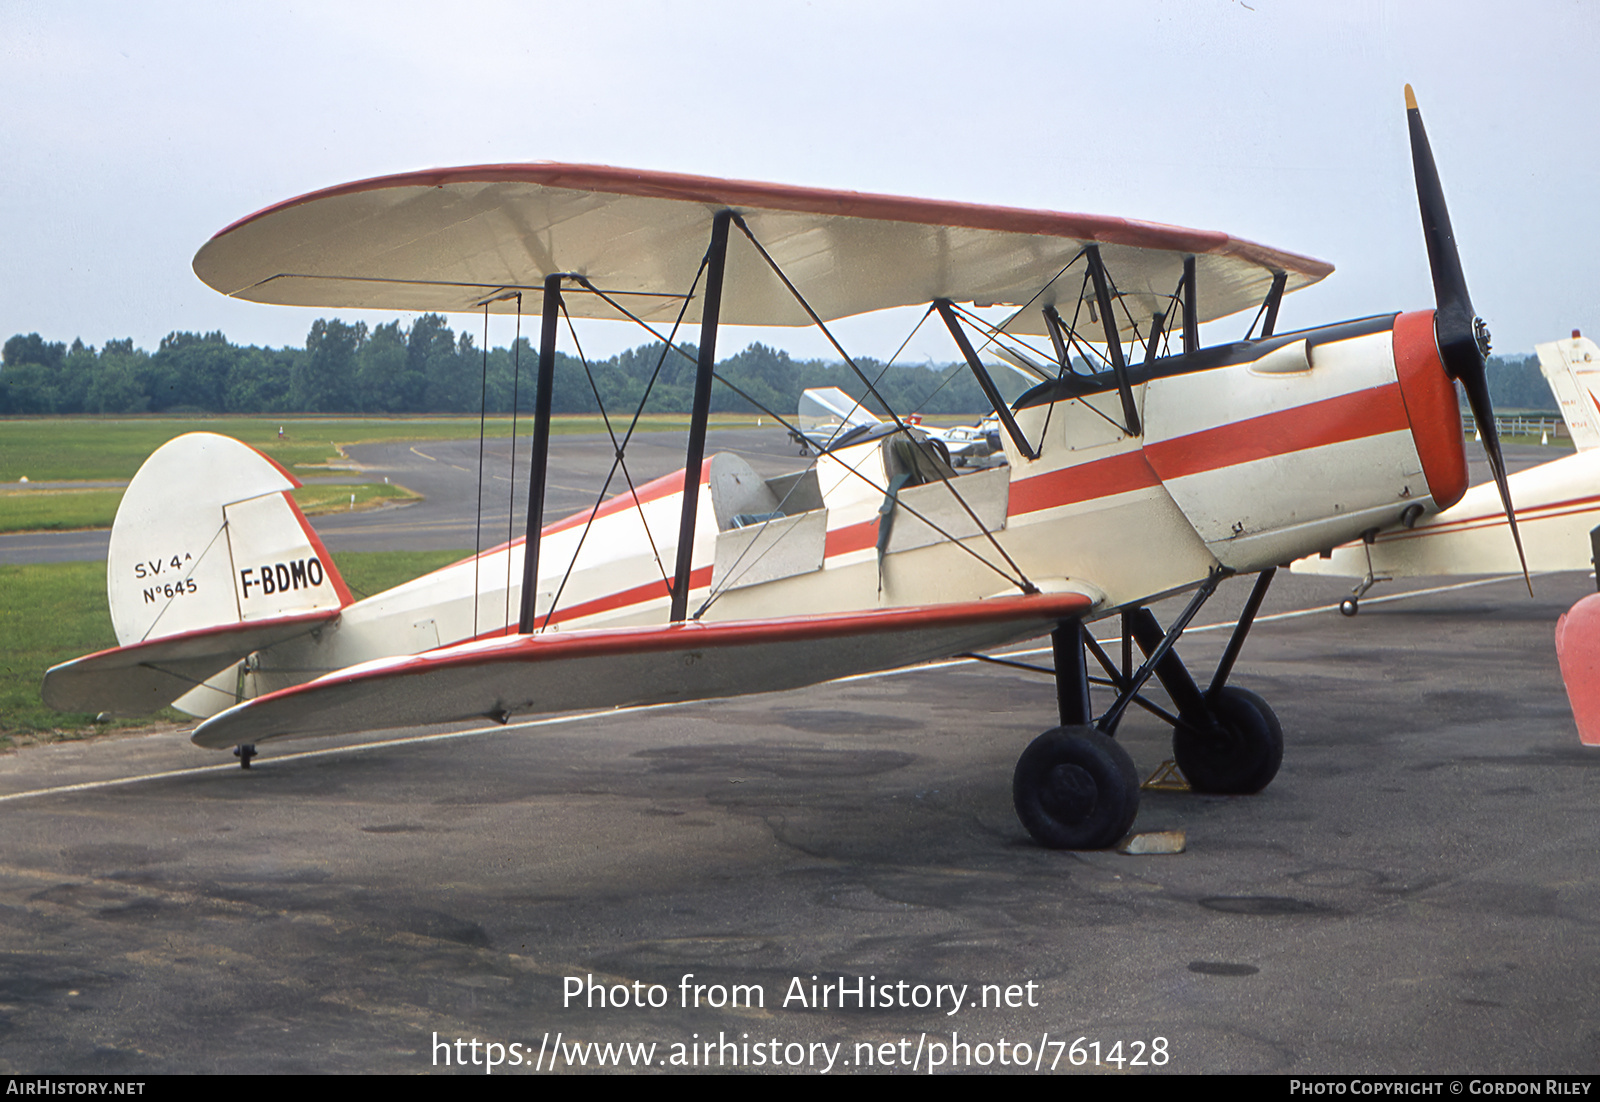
x=1249, y=455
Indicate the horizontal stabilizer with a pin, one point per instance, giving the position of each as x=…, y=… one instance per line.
x=137, y=679
x=572, y=671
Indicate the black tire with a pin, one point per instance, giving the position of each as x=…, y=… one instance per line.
x=1349, y=606
x=1236, y=750
x=1075, y=788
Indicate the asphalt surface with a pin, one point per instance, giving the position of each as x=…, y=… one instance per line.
x=1414, y=892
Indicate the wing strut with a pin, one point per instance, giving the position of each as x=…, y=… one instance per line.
x=541, y=450
x=1191, y=308
x=1153, y=344
x=1052, y=321
x=1102, y=295
x=717, y=256
x=1002, y=408
x=1274, y=300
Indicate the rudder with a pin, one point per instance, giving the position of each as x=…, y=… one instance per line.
x=207, y=536
x=1572, y=368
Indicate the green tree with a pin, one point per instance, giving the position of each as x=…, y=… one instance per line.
x=324, y=380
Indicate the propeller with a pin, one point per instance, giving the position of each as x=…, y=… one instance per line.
x=1462, y=337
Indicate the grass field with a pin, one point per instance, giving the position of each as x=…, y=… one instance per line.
x=80, y=449
x=53, y=612
x=57, y=510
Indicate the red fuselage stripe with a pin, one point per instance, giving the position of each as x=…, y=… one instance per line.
x=1352, y=416
x=1115, y=474
x=638, y=595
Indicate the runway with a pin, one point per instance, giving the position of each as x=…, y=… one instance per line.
x=1413, y=893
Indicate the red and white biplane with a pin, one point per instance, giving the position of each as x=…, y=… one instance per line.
x=1165, y=469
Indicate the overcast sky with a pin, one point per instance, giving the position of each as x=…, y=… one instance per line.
x=133, y=132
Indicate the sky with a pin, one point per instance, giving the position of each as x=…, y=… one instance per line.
x=133, y=132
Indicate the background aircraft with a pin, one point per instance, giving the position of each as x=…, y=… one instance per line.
x=1125, y=483
x=1557, y=504
x=828, y=417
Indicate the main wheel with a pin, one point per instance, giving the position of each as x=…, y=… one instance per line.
x=1075, y=788
x=1236, y=750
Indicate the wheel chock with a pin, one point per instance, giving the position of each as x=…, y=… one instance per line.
x=1153, y=841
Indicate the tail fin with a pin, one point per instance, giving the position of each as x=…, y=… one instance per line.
x=208, y=537
x=1572, y=368
x=827, y=414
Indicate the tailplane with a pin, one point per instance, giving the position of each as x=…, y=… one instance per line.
x=210, y=560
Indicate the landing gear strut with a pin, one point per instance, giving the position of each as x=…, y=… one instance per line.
x=1352, y=604
x=1075, y=787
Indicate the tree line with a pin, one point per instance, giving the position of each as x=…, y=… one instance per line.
x=426, y=367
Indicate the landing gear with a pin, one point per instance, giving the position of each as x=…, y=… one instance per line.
x=1076, y=788
x=244, y=753
x=1235, y=750
x=1352, y=604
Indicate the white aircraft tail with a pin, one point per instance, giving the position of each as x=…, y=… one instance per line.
x=828, y=412
x=207, y=537
x=1572, y=368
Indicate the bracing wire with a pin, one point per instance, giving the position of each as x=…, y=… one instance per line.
x=617, y=449
x=667, y=346
x=1021, y=581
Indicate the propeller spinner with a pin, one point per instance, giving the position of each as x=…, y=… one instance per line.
x=1462, y=336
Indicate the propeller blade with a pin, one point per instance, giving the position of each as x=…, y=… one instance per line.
x=1462, y=337
x=1483, y=414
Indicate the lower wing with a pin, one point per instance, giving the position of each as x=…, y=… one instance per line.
x=571, y=671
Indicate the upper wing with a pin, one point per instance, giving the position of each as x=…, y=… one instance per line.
x=570, y=671
x=449, y=239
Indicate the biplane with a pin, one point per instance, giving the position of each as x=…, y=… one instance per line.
x=1140, y=466
x=1558, y=504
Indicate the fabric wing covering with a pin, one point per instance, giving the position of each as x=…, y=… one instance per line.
x=580, y=670
x=451, y=239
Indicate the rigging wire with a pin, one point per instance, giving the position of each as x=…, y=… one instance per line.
x=1081, y=399
x=667, y=346
x=1021, y=581
x=617, y=449
x=1025, y=585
